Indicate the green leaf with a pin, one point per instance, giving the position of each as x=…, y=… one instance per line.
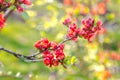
x=12, y=1
x=73, y=59
x=12, y=7
x=25, y=15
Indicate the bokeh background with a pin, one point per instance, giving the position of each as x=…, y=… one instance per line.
x=99, y=60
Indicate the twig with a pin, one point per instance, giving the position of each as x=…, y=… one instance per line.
x=8, y=13
x=3, y=9
x=20, y=56
x=31, y=58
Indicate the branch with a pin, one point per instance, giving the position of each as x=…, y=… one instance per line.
x=20, y=56
x=8, y=13
x=3, y=9
x=31, y=58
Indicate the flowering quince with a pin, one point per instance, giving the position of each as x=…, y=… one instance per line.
x=90, y=30
x=4, y=3
x=42, y=44
x=73, y=30
x=27, y=2
x=53, y=45
x=2, y=21
x=55, y=62
x=1, y=1
x=19, y=7
x=53, y=53
x=67, y=21
x=115, y=56
x=51, y=58
x=47, y=61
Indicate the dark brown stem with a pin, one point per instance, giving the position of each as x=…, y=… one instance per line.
x=20, y=56
x=8, y=13
x=3, y=9
x=31, y=58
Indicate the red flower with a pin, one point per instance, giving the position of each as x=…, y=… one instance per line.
x=59, y=49
x=47, y=53
x=53, y=45
x=2, y=21
x=67, y=2
x=101, y=8
x=73, y=31
x=115, y=56
x=1, y=1
x=55, y=62
x=60, y=56
x=90, y=30
x=19, y=8
x=27, y=2
x=42, y=44
x=67, y=21
x=47, y=61
x=51, y=59
x=73, y=26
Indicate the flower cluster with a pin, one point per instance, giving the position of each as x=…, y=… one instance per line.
x=90, y=29
x=52, y=52
x=67, y=21
x=73, y=31
x=115, y=56
x=18, y=4
x=2, y=21
x=4, y=3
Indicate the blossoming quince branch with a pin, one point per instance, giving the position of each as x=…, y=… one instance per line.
x=52, y=53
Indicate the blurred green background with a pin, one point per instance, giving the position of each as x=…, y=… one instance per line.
x=43, y=19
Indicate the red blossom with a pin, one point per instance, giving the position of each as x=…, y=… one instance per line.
x=27, y=2
x=60, y=56
x=115, y=56
x=53, y=53
x=19, y=8
x=42, y=44
x=67, y=21
x=47, y=61
x=50, y=58
x=1, y=1
x=55, y=62
x=73, y=32
x=53, y=45
x=2, y=21
x=18, y=4
x=47, y=53
x=90, y=30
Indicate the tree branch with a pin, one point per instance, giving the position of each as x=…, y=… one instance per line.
x=31, y=58
x=20, y=56
x=8, y=13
